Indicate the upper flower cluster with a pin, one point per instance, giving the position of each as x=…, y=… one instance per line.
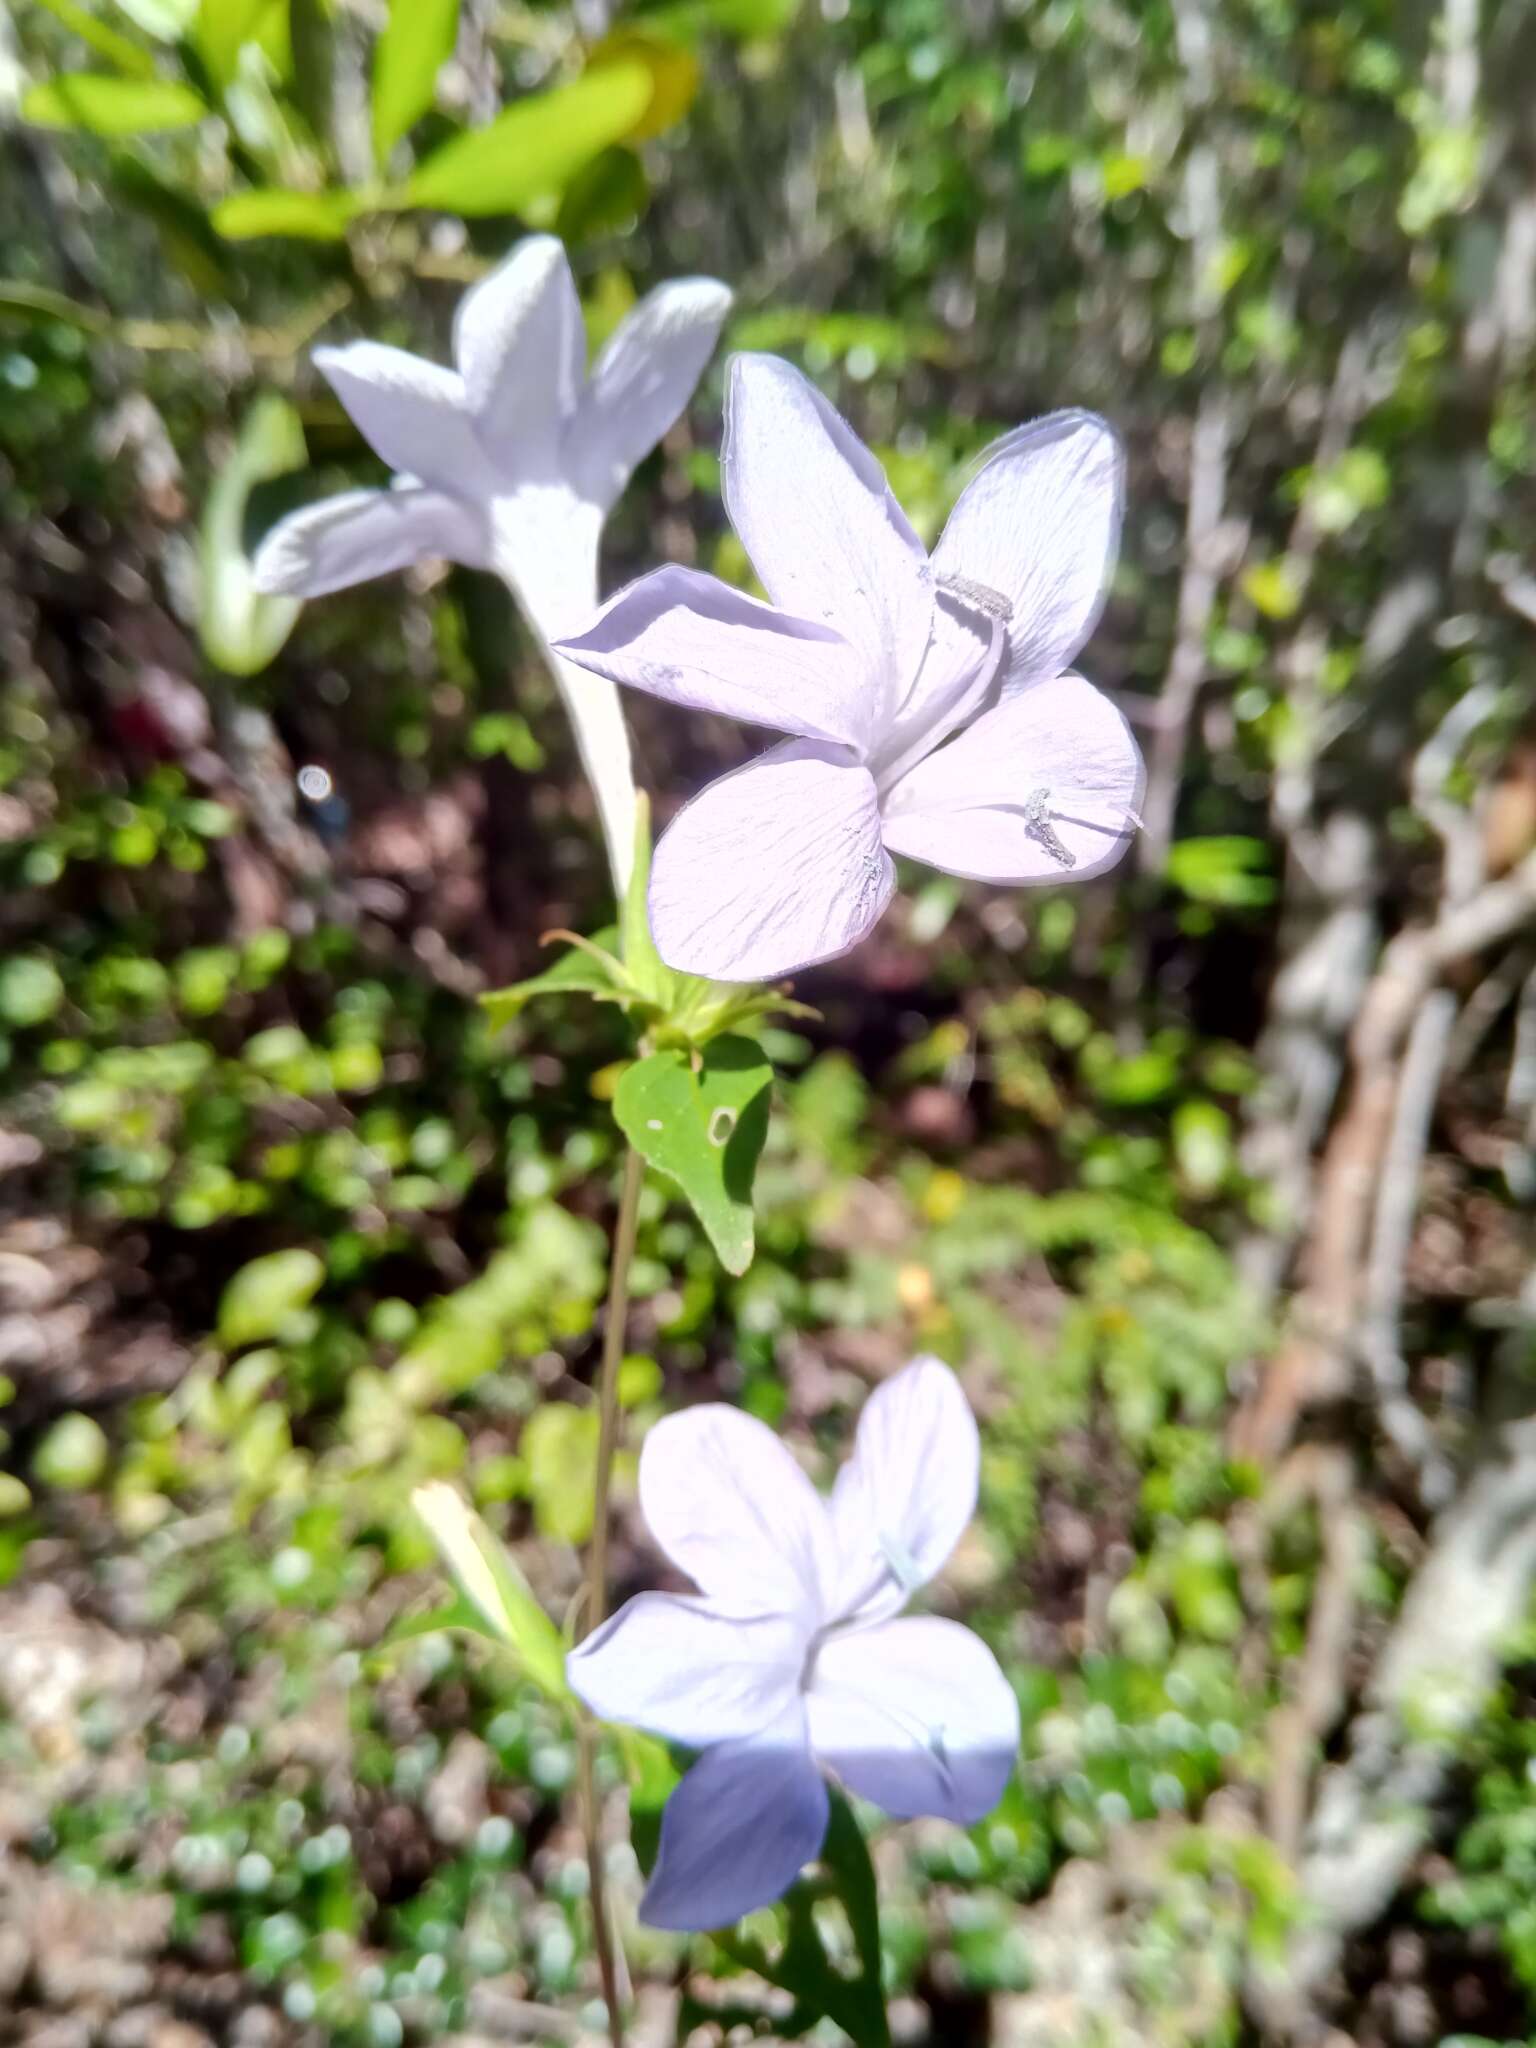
x=790, y=1662
x=930, y=701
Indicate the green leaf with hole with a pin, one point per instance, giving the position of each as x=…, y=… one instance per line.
x=534, y=148
x=416, y=43
x=242, y=628
x=104, y=105
x=265, y=1295
x=703, y=1124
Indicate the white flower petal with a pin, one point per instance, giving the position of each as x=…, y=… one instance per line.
x=816, y=515
x=772, y=868
x=693, y=640
x=917, y=1716
x=682, y=1669
x=726, y=1501
x=737, y=1831
x=951, y=686
x=521, y=348
x=1040, y=525
x=641, y=381
x=1044, y=788
x=357, y=534
x=410, y=411
x=902, y=1501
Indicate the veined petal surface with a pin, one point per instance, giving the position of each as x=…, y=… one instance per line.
x=683, y=1670
x=815, y=513
x=688, y=638
x=521, y=348
x=411, y=412
x=1040, y=525
x=738, y=1831
x=642, y=381
x=357, y=534
x=902, y=1501
x=772, y=868
x=726, y=1501
x=1044, y=788
x=917, y=1716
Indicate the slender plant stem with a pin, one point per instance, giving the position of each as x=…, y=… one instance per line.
x=616, y=1322
x=594, y=1607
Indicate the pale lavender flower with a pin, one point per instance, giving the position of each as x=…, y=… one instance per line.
x=929, y=702
x=510, y=461
x=790, y=1664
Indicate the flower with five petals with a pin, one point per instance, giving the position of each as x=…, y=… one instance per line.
x=791, y=1661
x=929, y=699
x=510, y=461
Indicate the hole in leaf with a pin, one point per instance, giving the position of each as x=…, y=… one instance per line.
x=721, y=1125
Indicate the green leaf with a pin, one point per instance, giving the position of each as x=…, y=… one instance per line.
x=224, y=27
x=242, y=629
x=1228, y=869
x=303, y=216
x=535, y=147
x=31, y=990
x=559, y=1448
x=703, y=1126
x=73, y=1455
x=417, y=42
x=846, y=1856
x=604, y=197
x=492, y=1587
x=106, y=42
x=104, y=105
x=264, y=1295
x=589, y=968
x=749, y=19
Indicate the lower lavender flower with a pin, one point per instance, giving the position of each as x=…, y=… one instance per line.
x=794, y=1663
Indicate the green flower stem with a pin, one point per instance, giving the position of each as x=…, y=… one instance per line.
x=594, y=1606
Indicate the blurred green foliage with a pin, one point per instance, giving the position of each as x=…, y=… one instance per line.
x=351, y=1221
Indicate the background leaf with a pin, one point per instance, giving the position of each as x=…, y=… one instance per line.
x=262, y=1297
x=533, y=149
x=417, y=42
x=104, y=105
x=307, y=216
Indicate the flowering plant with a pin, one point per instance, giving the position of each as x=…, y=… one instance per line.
x=932, y=712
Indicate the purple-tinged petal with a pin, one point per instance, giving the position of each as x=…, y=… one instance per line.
x=737, y=1831
x=772, y=868
x=693, y=640
x=816, y=515
x=410, y=411
x=902, y=1501
x=1044, y=788
x=1039, y=525
x=682, y=1669
x=917, y=1716
x=642, y=381
x=726, y=1501
x=521, y=348
x=951, y=686
x=357, y=534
